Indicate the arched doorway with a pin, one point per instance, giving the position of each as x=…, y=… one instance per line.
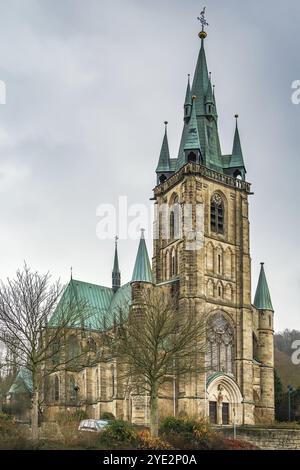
x=224, y=400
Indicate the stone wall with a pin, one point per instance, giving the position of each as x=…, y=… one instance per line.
x=267, y=439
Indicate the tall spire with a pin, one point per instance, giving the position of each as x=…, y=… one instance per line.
x=142, y=269
x=201, y=80
x=116, y=274
x=262, y=300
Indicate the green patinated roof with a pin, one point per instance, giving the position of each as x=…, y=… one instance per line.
x=116, y=260
x=99, y=302
x=22, y=382
x=209, y=95
x=188, y=95
x=237, y=159
x=192, y=141
x=142, y=268
x=262, y=300
x=215, y=101
x=164, y=157
x=173, y=164
x=207, y=127
x=201, y=80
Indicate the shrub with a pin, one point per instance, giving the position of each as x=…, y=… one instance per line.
x=12, y=436
x=118, y=432
x=5, y=417
x=108, y=416
x=182, y=425
x=74, y=416
x=147, y=442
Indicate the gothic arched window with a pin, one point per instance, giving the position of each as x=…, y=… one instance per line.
x=162, y=178
x=175, y=219
x=73, y=347
x=55, y=353
x=97, y=383
x=92, y=344
x=112, y=381
x=72, y=388
x=173, y=263
x=217, y=214
x=192, y=158
x=220, y=344
x=56, y=388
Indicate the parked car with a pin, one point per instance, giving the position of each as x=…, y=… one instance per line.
x=93, y=425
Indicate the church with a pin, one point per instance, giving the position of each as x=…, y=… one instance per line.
x=212, y=278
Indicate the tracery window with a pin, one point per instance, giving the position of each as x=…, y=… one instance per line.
x=73, y=347
x=217, y=213
x=56, y=388
x=175, y=219
x=72, y=388
x=220, y=344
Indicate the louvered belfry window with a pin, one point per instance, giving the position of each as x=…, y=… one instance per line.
x=217, y=214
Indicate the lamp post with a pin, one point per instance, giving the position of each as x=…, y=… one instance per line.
x=290, y=391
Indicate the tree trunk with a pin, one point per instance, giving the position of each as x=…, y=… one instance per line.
x=35, y=414
x=154, y=411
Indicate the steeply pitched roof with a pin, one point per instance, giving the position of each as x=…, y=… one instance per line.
x=164, y=157
x=22, y=382
x=237, y=160
x=262, y=300
x=142, y=268
x=200, y=81
x=99, y=304
x=116, y=268
x=188, y=95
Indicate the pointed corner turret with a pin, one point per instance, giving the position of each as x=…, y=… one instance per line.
x=116, y=274
x=235, y=165
x=188, y=101
x=163, y=169
x=192, y=146
x=209, y=99
x=142, y=269
x=262, y=299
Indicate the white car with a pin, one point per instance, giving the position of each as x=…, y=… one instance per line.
x=94, y=425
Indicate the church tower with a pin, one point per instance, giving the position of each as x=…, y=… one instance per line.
x=201, y=247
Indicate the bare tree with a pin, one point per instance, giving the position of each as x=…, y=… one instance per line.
x=31, y=335
x=155, y=344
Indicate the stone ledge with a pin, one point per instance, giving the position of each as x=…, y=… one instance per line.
x=266, y=438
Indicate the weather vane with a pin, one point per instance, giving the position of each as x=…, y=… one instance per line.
x=202, y=19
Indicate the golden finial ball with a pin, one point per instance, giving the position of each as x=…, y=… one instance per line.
x=194, y=97
x=202, y=35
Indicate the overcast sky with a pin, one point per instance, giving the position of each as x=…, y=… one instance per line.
x=89, y=84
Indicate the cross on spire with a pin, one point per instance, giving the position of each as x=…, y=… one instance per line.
x=202, y=19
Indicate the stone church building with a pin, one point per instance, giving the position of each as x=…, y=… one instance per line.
x=208, y=264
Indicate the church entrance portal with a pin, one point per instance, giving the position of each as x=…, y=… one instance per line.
x=224, y=400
